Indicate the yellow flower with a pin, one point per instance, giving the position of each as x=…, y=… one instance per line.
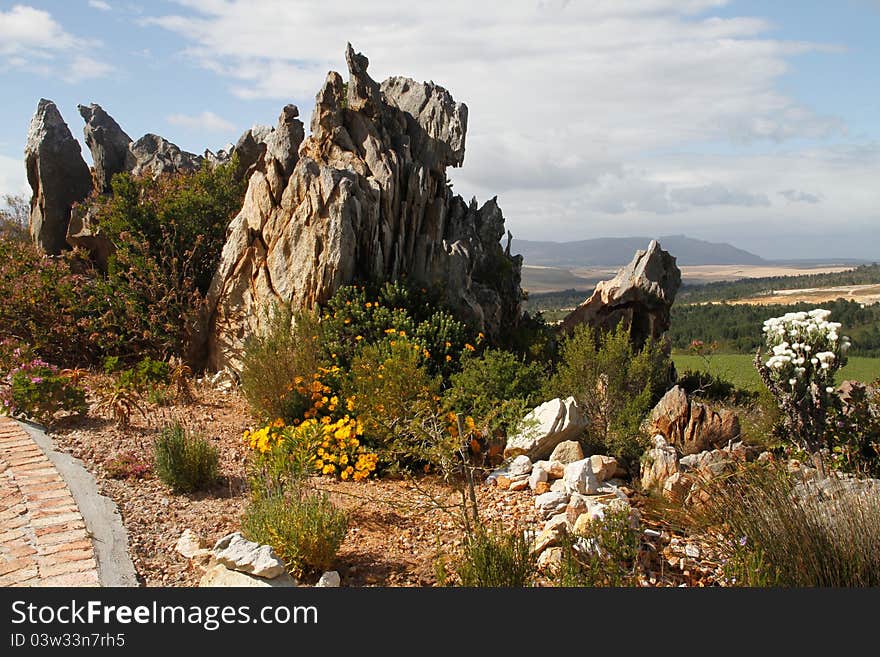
x=358, y=337
x=448, y=358
x=469, y=347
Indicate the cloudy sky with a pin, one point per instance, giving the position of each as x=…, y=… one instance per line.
x=755, y=123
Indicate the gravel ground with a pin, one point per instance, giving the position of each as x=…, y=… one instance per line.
x=398, y=528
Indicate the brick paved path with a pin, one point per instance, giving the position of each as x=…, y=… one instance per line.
x=43, y=538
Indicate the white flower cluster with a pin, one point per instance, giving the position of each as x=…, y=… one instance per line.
x=805, y=346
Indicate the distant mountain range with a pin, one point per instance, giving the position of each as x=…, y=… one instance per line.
x=617, y=251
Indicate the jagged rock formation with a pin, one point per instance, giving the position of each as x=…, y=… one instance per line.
x=58, y=176
x=154, y=155
x=690, y=426
x=641, y=294
x=365, y=197
x=108, y=144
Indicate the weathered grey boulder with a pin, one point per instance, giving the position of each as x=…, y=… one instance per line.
x=236, y=552
x=189, y=544
x=329, y=579
x=58, y=176
x=152, y=155
x=690, y=426
x=641, y=295
x=545, y=427
x=108, y=143
x=658, y=464
x=551, y=503
x=367, y=199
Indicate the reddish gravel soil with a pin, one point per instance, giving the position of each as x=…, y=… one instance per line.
x=398, y=528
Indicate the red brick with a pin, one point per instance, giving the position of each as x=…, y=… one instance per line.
x=24, y=577
x=57, y=511
x=21, y=462
x=35, y=488
x=52, y=493
x=7, y=567
x=25, y=481
x=50, y=502
x=87, y=578
x=61, y=547
x=35, y=469
x=60, y=527
x=80, y=566
x=11, y=535
x=56, y=519
x=61, y=537
x=66, y=556
x=19, y=551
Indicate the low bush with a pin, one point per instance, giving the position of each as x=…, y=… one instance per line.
x=285, y=354
x=303, y=527
x=126, y=465
x=397, y=401
x=496, y=558
x=38, y=390
x=614, y=383
x=854, y=431
x=185, y=463
x=771, y=532
x=605, y=554
x=496, y=389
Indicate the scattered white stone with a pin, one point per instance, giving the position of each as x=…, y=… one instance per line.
x=329, y=579
x=559, y=521
x=692, y=550
x=550, y=559
x=558, y=486
x=551, y=503
x=604, y=467
x=190, y=543
x=538, y=475
x=545, y=427
x=521, y=465
x=237, y=553
x=219, y=575
x=580, y=478
x=519, y=484
x=568, y=451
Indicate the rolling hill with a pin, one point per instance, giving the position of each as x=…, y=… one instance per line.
x=617, y=251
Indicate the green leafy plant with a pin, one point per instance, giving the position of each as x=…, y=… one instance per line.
x=120, y=399
x=286, y=350
x=614, y=383
x=38, y=390
x=185, y=463
x=604, y=554
x=496, y=558
x=303, y=527
x=854, y=430
x=394, y=396
x=495, y=389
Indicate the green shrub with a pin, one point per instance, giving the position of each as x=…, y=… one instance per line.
x=357, y=316
x=496, y=389
x=603, y=555
x=393, y=395
x=38, y=390
x=854, y=431
x=303, y=527
x=183, y=462
x=496, y=558
x=615, y=385
x=770, y=533
x=273, y=360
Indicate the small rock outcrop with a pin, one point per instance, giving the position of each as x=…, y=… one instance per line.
x=364, y=198
x=641, y=294
x=690, y=426
x=108, y=143
x=153, y=155
x=236, y=552
x=58, y=176
x=545, y=427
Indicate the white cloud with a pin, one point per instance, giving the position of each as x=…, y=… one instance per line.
x=100, y=5
x=579, y=113
x=31, y=40
x=206, y=121
x=796, y=196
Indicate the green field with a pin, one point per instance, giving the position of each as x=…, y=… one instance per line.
x=739, y=370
